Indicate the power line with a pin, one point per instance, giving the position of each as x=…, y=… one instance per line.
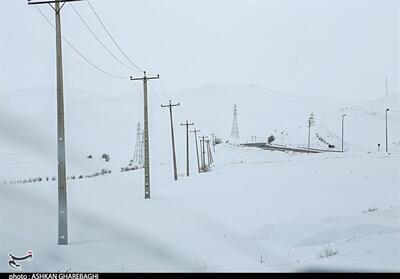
x=108, y=33
x=156, y=93
x=181, y=111
x=97, y=38
x=80, y=54
x=163, y=89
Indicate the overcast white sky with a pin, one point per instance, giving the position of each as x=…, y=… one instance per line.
x=341, y=49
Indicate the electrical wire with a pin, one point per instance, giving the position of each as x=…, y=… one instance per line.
x=180, y=111
x=108, y=33
x=80, y=54
x=163, y=89
x=98, y=40
x=156, y=93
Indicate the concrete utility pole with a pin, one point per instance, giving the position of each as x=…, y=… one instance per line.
x=146, y=134
x=207, y=151
x=61, y=165
x=187, y=124
x=386, y=130
x=197, y=149
x=209, y=156
x=141, y=148
x=310, y=123
x=343, y=115
x=203, y=152
x=213, y=142
x=170, y=105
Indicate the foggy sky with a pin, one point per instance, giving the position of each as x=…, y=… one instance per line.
x=335, y=49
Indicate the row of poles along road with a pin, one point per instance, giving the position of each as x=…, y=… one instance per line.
x=311, y=123
x=205, y=159
x=204, y=141
x=205, y=150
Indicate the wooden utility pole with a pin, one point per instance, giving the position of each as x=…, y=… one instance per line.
x=187, y=124
x=197, y=149
x=170, y=105
x=61, y=162
x=146, y=134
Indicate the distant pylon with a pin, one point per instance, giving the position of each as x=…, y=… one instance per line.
x=138, y=154
x=235, y=128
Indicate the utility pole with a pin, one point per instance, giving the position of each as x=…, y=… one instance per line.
x=386, y=130
x=310, y=123
x=170, y=105
x=197, y=149
x=211, y=157
x=213, y=142
x=61, y=165
x=208, y=152
x=343, y=115
x=210, y=160
x=203, y=153
x=141, y=148
x=146, y=133
x=187, y=124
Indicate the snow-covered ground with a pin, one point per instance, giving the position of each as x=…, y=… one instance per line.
x=254, y=211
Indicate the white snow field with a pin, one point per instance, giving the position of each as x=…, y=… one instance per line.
x=256, y=210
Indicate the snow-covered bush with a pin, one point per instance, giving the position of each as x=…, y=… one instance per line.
x=371, y=209
x=271, y=138
x=106, y=157
x=327, y=252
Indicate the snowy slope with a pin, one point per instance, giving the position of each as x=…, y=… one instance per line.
x=285, y=208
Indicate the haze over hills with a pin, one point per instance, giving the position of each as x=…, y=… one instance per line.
x=99, y=122
x=254, y=211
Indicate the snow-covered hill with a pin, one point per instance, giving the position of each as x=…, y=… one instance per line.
x=263, y=112
x=255, y=211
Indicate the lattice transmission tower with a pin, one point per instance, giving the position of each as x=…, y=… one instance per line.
x=235, y=127
x=138, y=154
